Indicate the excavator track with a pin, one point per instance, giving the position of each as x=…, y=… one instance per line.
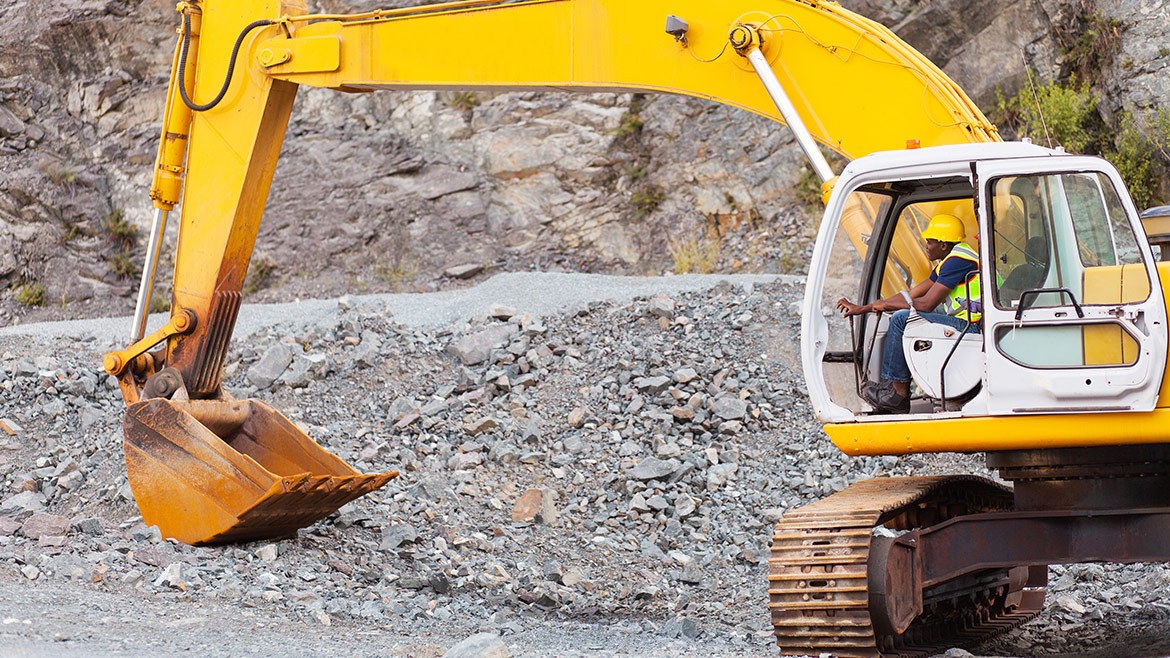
x=819, y=571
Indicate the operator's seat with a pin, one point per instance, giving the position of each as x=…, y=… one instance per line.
x=927, y=347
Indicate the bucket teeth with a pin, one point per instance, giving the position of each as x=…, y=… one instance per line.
x=297, y=502
x=260, y=477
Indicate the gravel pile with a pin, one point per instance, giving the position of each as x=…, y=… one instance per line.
x=618, y=464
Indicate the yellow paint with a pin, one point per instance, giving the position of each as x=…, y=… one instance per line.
x=845, y=74
x=992, y=433
x=231, y=157
x=1157, y=226
x=1164, y=281
x=1107, y=344
x=302, y=55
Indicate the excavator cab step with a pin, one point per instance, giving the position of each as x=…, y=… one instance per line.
x=223, y=471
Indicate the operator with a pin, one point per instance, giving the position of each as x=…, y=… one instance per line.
x=948, y=286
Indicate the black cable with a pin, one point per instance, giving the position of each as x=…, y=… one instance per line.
x=708, y=61
x=227, y=81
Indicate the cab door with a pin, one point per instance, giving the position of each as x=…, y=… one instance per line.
x=1074, y=318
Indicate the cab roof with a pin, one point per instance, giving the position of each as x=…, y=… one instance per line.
x=957, y=154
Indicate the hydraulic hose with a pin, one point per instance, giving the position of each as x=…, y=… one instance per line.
x=227, y=81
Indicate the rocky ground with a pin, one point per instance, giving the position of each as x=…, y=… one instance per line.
x=596, y=480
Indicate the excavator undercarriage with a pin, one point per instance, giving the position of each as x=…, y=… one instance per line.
x=912, y=566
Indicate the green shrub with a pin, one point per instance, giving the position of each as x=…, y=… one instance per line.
x=124, y=265
x=61, y=175
x=808, y=191
x=1087, y=39
x=647, y=200
x=463, y=100
x=1136, y=160
x=1066, y=115
x=630, y=125
x=1160, y=135
x=261, y=272
x=72, y=232
x=30, y=294
x=636, y=172
x=120, y=232
x=395, y=274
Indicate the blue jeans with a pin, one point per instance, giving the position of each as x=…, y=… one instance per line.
x=894, y=368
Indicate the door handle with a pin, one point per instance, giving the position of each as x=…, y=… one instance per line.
x=1035, y=292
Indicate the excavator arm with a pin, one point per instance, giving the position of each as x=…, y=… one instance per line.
x=844, y=75
x=826, y=72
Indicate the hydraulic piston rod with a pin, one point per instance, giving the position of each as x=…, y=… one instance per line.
x=142, y=307
x=168, y=172
x=746, y=41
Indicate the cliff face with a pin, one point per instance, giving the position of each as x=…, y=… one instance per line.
x=385, y=191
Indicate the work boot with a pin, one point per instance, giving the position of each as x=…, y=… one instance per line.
x=884, y=398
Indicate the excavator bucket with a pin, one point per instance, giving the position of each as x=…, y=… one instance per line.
x=215, y=472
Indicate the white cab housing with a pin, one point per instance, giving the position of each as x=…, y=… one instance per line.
x=1074, y=317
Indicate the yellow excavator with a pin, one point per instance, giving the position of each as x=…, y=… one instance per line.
x=1063, y=387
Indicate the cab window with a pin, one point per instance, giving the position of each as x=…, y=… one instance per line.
x=1066, y=232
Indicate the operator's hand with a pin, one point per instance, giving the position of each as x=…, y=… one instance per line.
x=848, y=309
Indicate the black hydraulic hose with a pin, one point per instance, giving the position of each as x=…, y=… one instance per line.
x=227, y=81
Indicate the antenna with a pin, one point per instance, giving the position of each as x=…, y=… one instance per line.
x=1036, y=98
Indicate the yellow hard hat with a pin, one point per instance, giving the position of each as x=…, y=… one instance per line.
x=944, y=228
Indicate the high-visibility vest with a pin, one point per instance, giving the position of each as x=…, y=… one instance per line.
x=958, y=302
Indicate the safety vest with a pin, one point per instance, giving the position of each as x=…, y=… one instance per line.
x=957, y=302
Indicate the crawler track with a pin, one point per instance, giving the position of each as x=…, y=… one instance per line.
x=818, y=580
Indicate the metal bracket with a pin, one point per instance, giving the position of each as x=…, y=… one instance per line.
x=134, y=361
x=320, y=54
x=182, y=322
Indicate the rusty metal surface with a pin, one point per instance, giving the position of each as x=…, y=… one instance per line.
x=1004, y=539
x=820, y=573
x=203, y=373
x=1114, y=478
x=261, y=477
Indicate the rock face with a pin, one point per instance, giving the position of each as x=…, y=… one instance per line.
x=419, y=190
x=984, y=45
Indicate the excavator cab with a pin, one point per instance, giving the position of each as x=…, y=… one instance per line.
x=1074, y=318
x=1060, y=386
